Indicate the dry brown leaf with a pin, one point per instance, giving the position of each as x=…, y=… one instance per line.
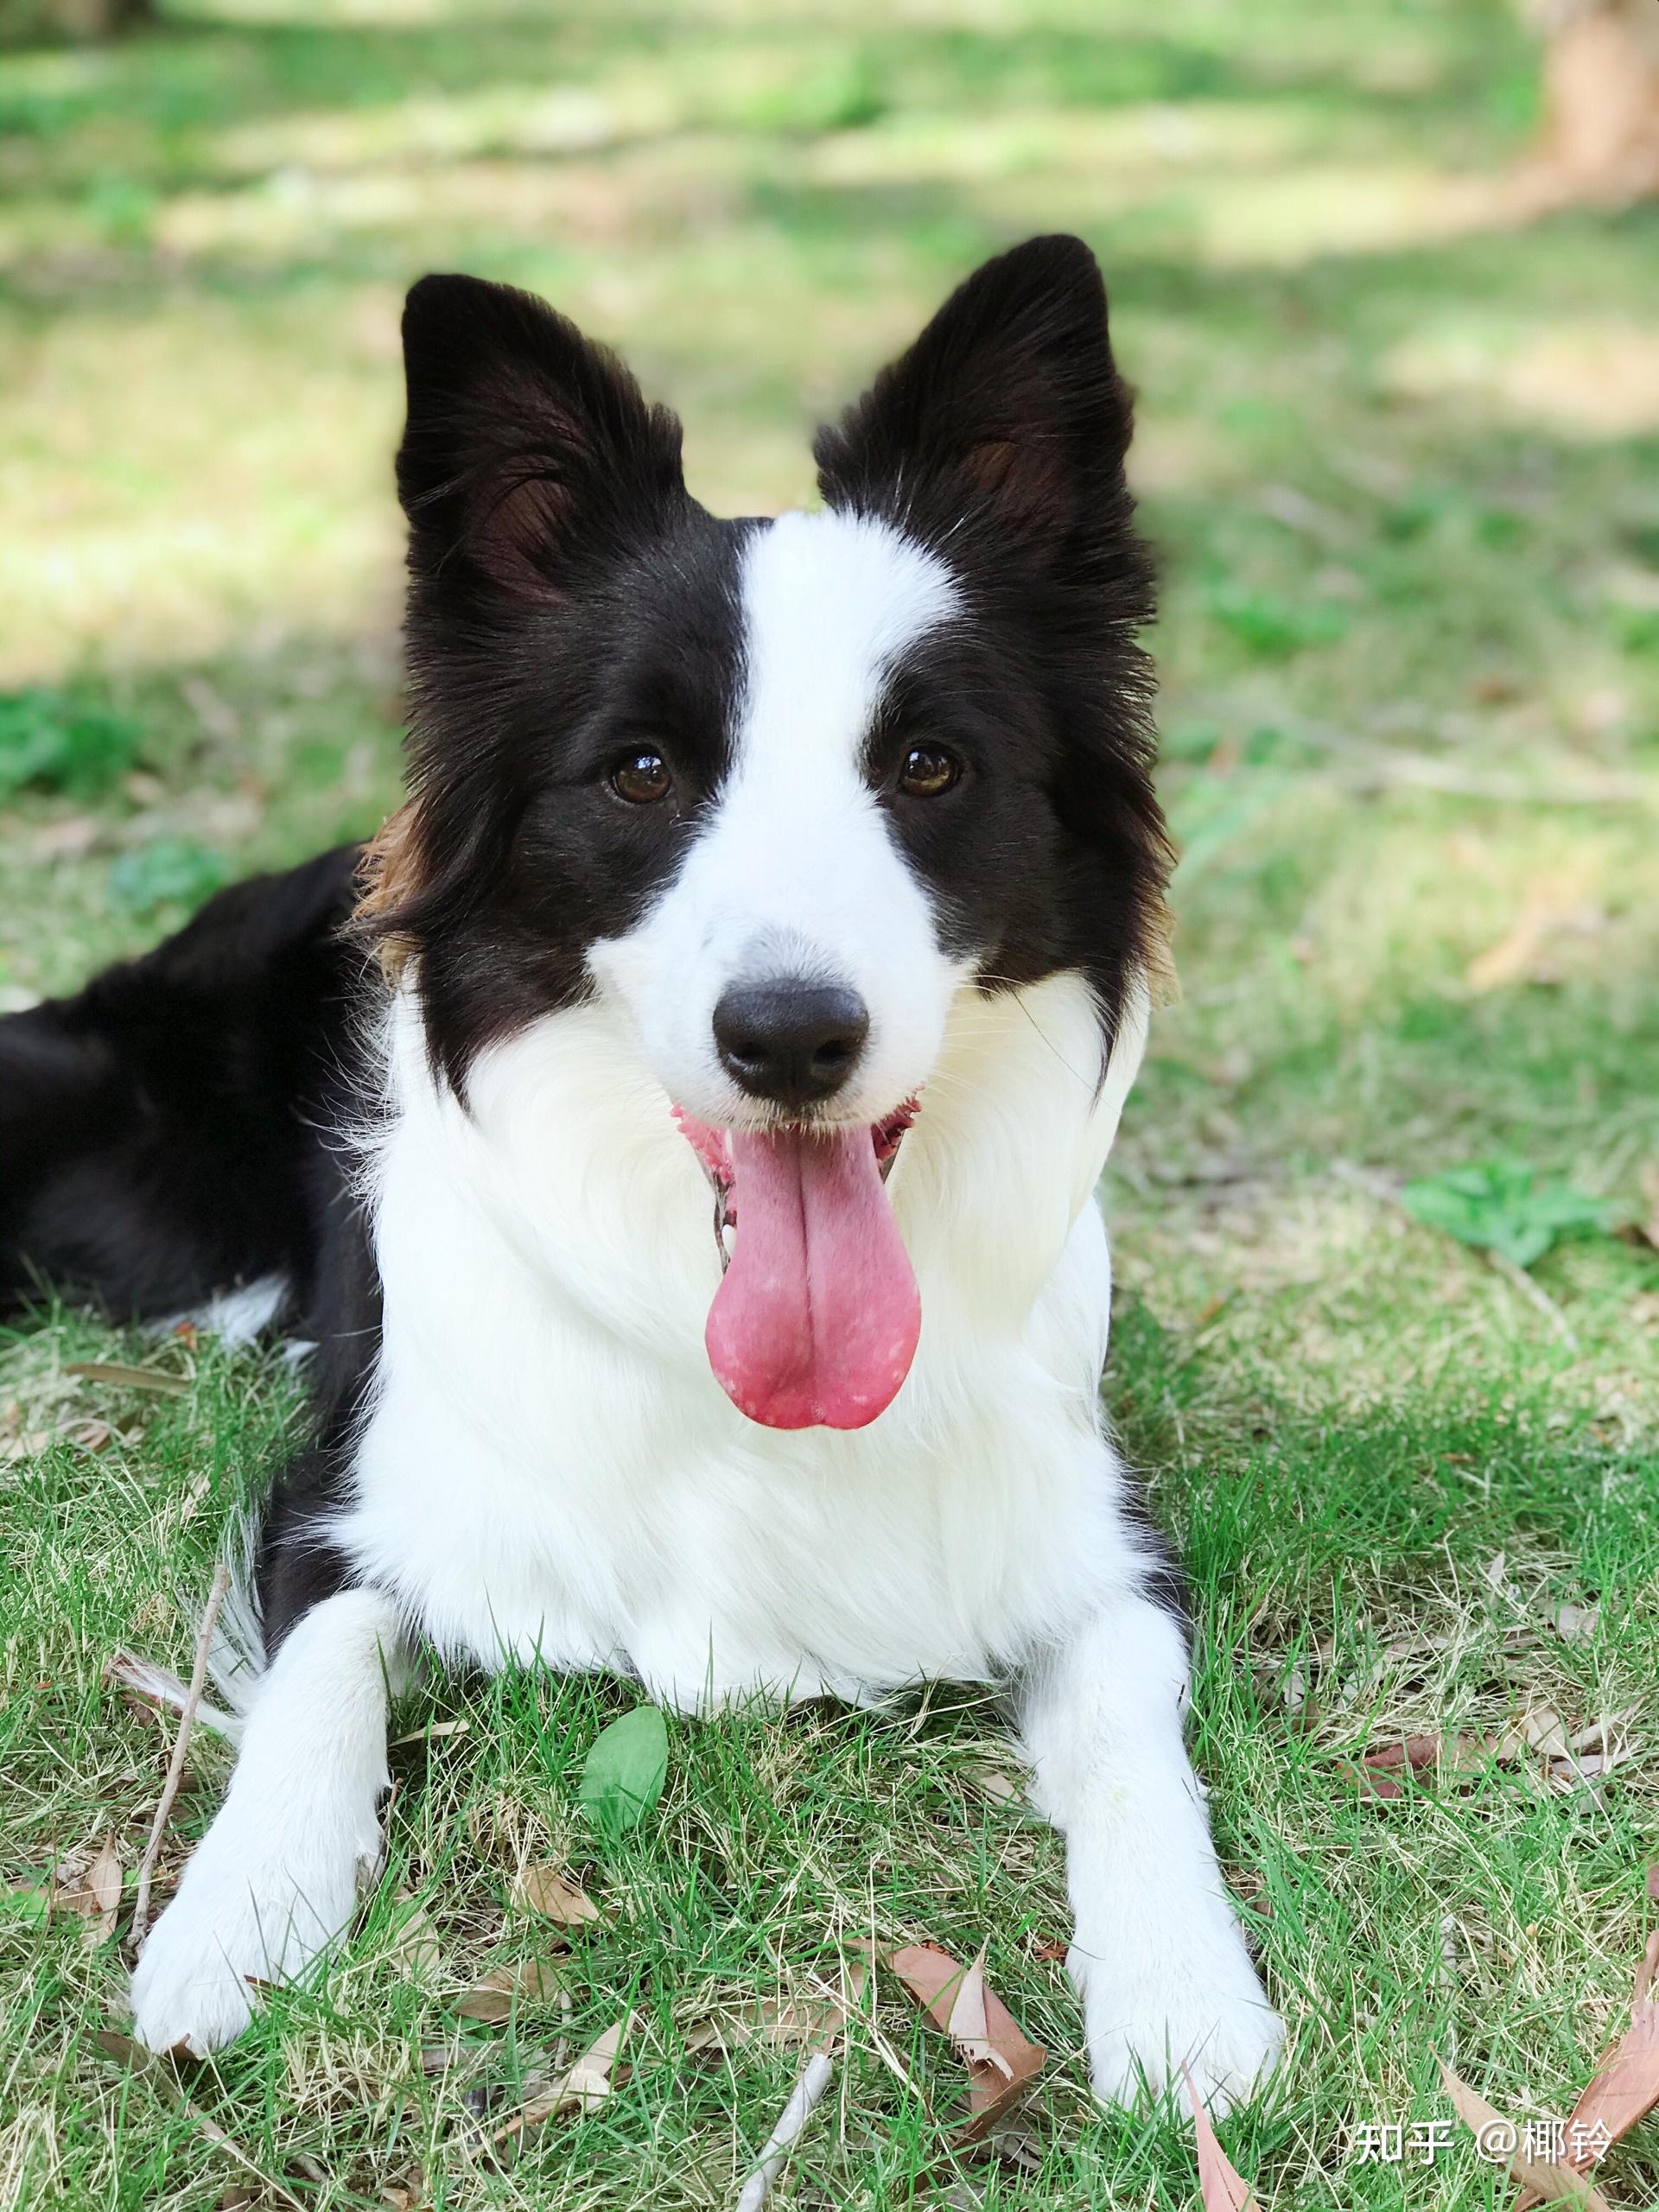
x=103, y=1879
x=1648, y=1227
x=1421, y=1754
x=415, y=1946
x=542, y=1888
x=1550, y=2183
x=1221, y=2186
x=935, y=1979
x=1540, y=1732
x=991, y=1782
x=1513, y=955
x=1553, y=910
x=967, y=2027
x=1624, y=2088
x=580, y=2089
x=88, y=1883
x=1575, y=1623
x=432, y=1732
x=780, y=2024
x=1653, y=1883
x=494, y=1995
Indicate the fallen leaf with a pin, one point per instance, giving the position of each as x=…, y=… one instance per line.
x=991, y=1782
x=431, y=1733
x=580, y=2089
x=1647, y=1226
x=1575, y=1623
x=29, y=1899
x=495, y=1995
x=622, y=1776
x=1501, y=2139
x=1420, y=1754
x=936, y=1981
x=1415, y=1751
x=70, y=838
x=1221, y=2186
x=780, y=2023
x=129, y=1378
x=1540, y=1729
x=103, y=1879
x=1515, y=952
x=415, y=1946
x=967, y=2027
x=542, y=1888
x=1624, y=2086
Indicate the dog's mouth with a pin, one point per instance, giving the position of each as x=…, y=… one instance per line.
x=816, y=1319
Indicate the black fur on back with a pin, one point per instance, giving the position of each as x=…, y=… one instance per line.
x=163, y=1134
x=175, y=1130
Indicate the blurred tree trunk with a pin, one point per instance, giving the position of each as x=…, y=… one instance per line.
x=1601, y=97
x=30, y=23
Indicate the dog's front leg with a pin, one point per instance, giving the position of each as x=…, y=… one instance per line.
x=277, y=1875
x=1157, y=1954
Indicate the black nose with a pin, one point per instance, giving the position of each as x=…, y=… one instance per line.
x=790, y=1041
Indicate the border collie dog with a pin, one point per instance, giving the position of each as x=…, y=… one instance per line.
x=679, y=1133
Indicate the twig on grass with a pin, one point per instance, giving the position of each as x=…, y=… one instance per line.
x=180, y=1743
x=815, y=2077
x=1535, y=1295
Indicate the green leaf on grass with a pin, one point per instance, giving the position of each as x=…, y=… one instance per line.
x=28, y=1900
x=1269, y=625
x=168, y=871
x=50, y=741
x=622, y=1777
x=1500, y=1205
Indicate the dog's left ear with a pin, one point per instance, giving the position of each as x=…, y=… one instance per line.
x=531, y=459
x=1007, y=411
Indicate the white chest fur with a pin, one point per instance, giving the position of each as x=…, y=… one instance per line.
x=551, y=1469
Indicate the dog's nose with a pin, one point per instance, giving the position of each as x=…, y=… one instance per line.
x=791, y=1041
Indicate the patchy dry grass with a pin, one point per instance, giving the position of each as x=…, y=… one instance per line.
x=1399, y=454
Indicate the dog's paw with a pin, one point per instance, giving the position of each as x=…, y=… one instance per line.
x=1197, y=2003
x=229, y=1928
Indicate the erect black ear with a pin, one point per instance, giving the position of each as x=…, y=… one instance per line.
x=530, y=457
x=1007, y=410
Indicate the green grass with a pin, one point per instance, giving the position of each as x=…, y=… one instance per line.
x=1401, y=457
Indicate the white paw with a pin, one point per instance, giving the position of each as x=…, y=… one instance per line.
x=237, y=1920
x=1191, y=1999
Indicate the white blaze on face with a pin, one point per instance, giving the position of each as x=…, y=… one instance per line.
x=795, y=873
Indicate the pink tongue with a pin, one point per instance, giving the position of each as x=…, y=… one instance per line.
x=816, y=1319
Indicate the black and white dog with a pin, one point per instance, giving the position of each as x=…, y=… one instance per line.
x=803, y=874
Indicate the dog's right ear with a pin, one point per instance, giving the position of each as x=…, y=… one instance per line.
x=531, y=459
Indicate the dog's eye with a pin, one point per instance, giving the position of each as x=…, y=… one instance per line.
x=642, y=778
x=927, y=770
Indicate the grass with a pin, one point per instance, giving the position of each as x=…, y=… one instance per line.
x=1401, y=459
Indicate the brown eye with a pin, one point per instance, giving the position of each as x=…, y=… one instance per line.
x=927, y=770
x=642, y=778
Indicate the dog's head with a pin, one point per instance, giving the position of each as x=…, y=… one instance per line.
x=780, y=791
